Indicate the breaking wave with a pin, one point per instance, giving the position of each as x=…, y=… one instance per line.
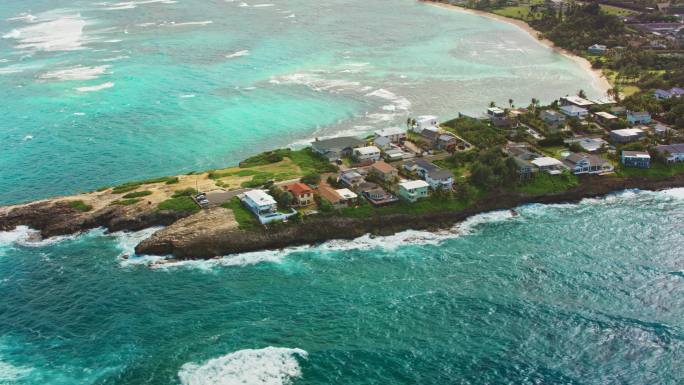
x=76, y=73
x=268, y=366
x=95, y=88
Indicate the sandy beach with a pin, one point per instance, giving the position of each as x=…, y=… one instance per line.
x=600, y=80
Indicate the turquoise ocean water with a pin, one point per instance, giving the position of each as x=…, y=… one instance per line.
x=96, y=93
x=588, y=293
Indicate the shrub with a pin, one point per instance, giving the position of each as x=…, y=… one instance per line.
x=311, y=179
x=80, y=206
x=188, y=192
x=180, y=204
x=137, y=194
x=173, y=180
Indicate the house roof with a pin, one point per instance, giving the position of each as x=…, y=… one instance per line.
x=677, y=91
x=677, y=148
x=298, y=189
x=440, y=173
x=390, y=131
x=572, y=109
x=430, y=134
x=346, y=193
x=413, y=184
x=368, y=150
x=383, y=167
x=546, y=161
x=446, y=137
x=336, y=144
x=577, y=157
x=636, y=154
x=382, y=141
x=260, y=197
x=628, y=132
x=422, y=163
x=639, y=114
x=350, y=174
x=576, y=100
x=663, y=93
x=606, y=115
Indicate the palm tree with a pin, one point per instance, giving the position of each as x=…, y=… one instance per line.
x=510, y=102
x=581, y=94
x=492, y=104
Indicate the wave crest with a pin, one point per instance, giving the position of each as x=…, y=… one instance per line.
x=268, y=366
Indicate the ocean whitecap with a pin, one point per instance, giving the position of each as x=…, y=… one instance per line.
x=268, y=366
x=95, y=88
x=76, y=73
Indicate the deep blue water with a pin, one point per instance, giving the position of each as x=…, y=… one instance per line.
x=589, y=293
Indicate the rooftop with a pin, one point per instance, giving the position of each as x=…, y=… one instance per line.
x=390, y=131
x=576, y=100
x=337, y=143
x=573, y=109
x=368, y=150
x=628, y=132
x=606, y=115
x=298, y=188
x=413, y=184
x=346, y=193
x=383, y=167
x=260, y=197
x=546, y=161
x=636, y=154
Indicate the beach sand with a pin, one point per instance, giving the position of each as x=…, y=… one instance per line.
x=600, y=81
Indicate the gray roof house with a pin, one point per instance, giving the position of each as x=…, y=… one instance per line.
x=335, y=148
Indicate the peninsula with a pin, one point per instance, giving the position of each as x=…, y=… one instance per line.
x=426, y=174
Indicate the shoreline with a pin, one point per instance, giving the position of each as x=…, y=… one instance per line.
x=600, y=81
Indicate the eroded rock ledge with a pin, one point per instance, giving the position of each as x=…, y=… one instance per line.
x=208, y=244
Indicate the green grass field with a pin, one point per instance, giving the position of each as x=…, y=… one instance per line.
x=245, y=219
x=656, y=171
x=545, y=183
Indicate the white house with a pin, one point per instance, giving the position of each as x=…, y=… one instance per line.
x=550, y=165
x=440, y=179
x=425, y=122
x=583, y=163
x=260, y=202
x=574, y=111
x=412, y=190
x=626, y=135
x=575, y=101
x=394, y=134
x=368, y=153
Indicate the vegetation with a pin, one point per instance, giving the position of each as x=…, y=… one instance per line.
x=180, y=204
x=545, y=183
x=656, y=171
x=125, y=202
x=130, y=186
x=80, y=206
x=476, y=132
x=188, y=192
x=138, y=194
x=244, y=218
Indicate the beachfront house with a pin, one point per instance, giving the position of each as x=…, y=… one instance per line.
x=636, y=159
x=673, y=153
x=426, y=122
x=367, y=154
x=574, y=111
x=626, y=135
x=413, y=190
x=597, y=49
x=394, y=154
x=575, y=101
x=336, y=148
x=662, y=94
x=303, y=195
x=588, y=144
x=640, y=117
x=553, y=118
x=384, y=171
x=549, y=165
x=394, y=134
x=260, y=202
x=436, y=177
x=430, y=136
x=583, y=163
x=351, y=178
x=447, y=142
x=349, y=197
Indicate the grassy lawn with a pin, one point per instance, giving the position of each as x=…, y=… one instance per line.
x=137, y=194
x=553, y=151
x=181, y=204
x=656, y=171
x=130, y=186
x=545, y=183
x=617, y=11
x=125, y=202
x=521, y=12
x=431, y=204
x=245, y=219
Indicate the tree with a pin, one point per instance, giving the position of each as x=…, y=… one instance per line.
x=510, y=102
x=311, y=179
x=492, y=104
x=581, y=94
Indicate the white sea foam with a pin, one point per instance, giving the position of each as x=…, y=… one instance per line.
x=187, y=23
x=400, y=102
x=262, y=5
x=27, y=138
x=241, y=260
x=95, y=88
x=9, y=374
x=51, y=31
x=675, y=192
x=28, y=237
x=133, y=4
x=187, y=96
x=115, y=58
x=76, y=73
x=244, y=52
x=127, y=241
x=268, y=366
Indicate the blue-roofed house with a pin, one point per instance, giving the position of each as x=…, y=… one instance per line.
x=662, y=94
x=641, y=117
